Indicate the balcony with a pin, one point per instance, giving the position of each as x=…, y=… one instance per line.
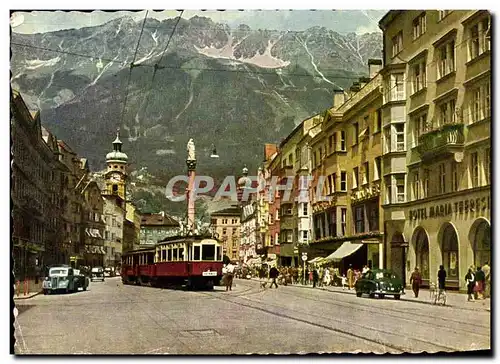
x=448, y=140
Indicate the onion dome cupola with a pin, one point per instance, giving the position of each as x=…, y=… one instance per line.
x=117, y=156
x=244, y=180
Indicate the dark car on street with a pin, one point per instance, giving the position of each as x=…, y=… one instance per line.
x=380, y=282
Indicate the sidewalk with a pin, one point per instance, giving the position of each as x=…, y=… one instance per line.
x=33, y=290
x=453, y=299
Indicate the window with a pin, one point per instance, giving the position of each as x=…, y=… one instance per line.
x=343, y=181
x=289, y=236
x=478, y=39
x=487, y=166
x=304, y=235
x=287, y=209
x=420, y=127
x=332, y=222
x=425, y=183
x=443, y=14
x=373, y=216
x=342, y=141
x=479, y=108
x=416, y=186
x=366, y=173
x=355, y=176
x=446, y=59
x=320, y=154
x=397, y=43
x=454, y=177
x=419, y=74
x=400, y=188
x=334, y=182
x=378, y=169
x=359, y=215
x=304, y=209
x=395, y=91
x=334, y=136
x=343, y=219
x=419, y=25
x=224, y=231
x=442, y=178
x=447, y=113
x=474, y=165
x=224, y=221
x=330, y=184
x=331, y=147
x=399, y=129
x=356, y=134
x=378, y=120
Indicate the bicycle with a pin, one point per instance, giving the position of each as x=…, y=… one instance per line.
x=437, y=296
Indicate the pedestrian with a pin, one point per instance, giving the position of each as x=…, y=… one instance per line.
x=327, y=279
x=479, y=287
x=365, y=269
x=350, y=277
x=310, y=275
x=315, y=277
x=487, y=283
x=301, y=275
x=441, y=280
x=416, y=281
x=273, y=274
x=471, y=282
x=229, y=276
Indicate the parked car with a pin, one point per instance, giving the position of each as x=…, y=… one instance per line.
x=97, y=274
x=81, y=280
x=109, y=272
x=380, y=282
x=59, y=279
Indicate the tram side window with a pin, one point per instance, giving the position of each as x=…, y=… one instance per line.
x=151, y=258
x=181, y=254
x=208, y=252
x=163, y=255
x=196, y=252
x=174, y=252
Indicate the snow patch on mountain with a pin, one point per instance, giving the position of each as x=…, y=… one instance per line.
x=37, y=63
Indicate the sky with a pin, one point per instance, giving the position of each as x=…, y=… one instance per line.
x=342, y=21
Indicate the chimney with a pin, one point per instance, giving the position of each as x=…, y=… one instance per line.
x=363, y=81
x=355, y=87
x=374, y=66
x=339, y=98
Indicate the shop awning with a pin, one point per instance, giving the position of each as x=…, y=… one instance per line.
x=315, y=260
x=345, y=250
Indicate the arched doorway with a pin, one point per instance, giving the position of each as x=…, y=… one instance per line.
x=449, y=251
x=422, y=252
x=482, y=244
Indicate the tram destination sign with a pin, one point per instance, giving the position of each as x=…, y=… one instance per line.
x=446, y=209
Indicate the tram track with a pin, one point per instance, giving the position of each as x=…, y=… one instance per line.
x=389, y=311
x=395, y=347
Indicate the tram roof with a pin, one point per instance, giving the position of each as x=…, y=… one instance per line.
x=179, y=238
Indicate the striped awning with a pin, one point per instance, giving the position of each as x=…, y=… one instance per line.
x=346, y=249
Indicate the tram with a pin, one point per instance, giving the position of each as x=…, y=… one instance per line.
x=194, y=260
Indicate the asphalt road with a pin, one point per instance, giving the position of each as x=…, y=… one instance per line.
x=112, y=318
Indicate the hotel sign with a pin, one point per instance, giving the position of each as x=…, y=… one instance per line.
x=446, y=209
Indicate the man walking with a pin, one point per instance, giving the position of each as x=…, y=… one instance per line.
x=273, y=274
x=441, y=281
x=229, y=276
x=416, y=281
x=315, y=277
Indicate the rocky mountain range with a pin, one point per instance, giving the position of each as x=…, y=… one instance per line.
x=237, y=88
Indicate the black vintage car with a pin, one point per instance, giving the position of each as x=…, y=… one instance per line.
x=97, y=274
x=381, y=282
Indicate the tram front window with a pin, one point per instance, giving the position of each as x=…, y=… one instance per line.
x=208, y=252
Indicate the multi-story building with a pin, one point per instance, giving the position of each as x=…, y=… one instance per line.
x=131, y=228
x=436, y=119
x=249, y=230
x=93, y=222
x=346, y=160
x=226, y=223
x=274, y=178
x=156, y=227
x=34, y=192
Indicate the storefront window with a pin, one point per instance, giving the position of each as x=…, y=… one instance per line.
x=423, y=253
x=450, y=252
x=482, y=244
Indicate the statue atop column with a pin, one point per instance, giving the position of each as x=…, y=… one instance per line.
x=190, y=150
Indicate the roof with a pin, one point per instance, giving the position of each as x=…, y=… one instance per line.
x=269, y=150
x=230, y=211
x=388, y=18
x=296, y=129
x=158, y=220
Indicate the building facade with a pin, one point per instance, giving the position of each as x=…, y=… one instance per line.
x=93, y=220
x=226, y=223
x=156, y=227
x=437, y=153
x=34, y=193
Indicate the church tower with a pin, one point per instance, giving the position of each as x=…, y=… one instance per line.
x=116, y=173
